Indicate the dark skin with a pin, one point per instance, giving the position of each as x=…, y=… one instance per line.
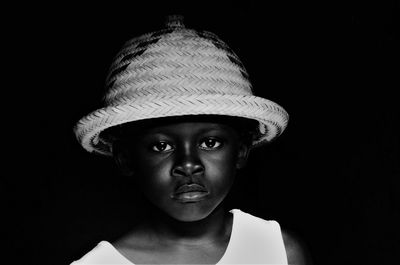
x=190, y=227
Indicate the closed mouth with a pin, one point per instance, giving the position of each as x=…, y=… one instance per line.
x=190, y=188
x=190, y=193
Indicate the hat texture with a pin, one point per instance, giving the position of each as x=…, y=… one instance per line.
x=173, y=72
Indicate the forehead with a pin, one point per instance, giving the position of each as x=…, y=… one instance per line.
x=176, y=125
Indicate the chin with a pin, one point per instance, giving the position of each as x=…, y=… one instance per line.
x=191, y=212
x=189, y=216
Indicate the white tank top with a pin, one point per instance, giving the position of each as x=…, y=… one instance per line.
x=253, y=241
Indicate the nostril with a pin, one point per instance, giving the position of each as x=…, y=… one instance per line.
x=178, y=171
x=198, y=170
x=187, y=170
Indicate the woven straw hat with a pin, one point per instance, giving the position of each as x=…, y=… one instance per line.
x=173, y=72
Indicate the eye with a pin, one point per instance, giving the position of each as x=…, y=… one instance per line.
x=161, y=147
x=210, y=143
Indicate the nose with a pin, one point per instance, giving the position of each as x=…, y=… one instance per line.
x=187, y=164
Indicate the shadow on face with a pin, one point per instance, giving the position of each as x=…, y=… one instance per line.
x=247, y=128
x=164, y=154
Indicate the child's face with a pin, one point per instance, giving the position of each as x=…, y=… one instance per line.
x=184, y=168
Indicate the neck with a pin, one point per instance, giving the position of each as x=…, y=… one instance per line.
x=213, y=228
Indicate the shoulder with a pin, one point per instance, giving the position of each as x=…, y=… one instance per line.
x=296, y=249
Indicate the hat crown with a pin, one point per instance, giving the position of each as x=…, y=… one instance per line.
x=173, y=21
x=175, y=60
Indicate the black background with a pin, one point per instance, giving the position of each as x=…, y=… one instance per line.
x=332, y=177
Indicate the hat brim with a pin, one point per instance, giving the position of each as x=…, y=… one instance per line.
x=272, y=118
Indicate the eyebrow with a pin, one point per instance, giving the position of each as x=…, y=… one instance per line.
x=213, y=128
x=171, y=132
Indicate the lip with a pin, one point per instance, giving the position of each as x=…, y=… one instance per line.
x=190, y=193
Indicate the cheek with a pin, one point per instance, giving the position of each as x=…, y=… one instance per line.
x=152, y=174
x=224, y=160
x=221, y=169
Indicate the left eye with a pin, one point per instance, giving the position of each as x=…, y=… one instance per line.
x=161, y=147
x=210, y=143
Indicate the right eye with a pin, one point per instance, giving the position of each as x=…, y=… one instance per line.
x=161, y=147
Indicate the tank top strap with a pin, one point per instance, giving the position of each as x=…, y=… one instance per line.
x=254, y=241
x=103, y=253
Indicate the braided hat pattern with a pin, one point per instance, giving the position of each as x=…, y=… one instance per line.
x=173, y=72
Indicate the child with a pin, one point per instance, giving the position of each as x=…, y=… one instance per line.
x=180, y=118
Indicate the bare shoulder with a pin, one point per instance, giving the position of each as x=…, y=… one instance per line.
x=296, y=249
